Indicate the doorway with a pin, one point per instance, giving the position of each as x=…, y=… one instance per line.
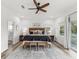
x=10, y=34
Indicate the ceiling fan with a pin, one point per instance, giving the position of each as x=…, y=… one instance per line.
x=38, y=7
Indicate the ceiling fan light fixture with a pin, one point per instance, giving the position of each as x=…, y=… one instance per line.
x=38, y=3
x=39, y=7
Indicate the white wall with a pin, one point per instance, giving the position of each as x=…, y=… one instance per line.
x=6, y=15
x=25, y=24
x=4, y=30
x=60, y=38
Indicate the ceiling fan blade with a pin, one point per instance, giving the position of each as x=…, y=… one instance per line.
x=44, y=5
x=43, y=10
x=35, y=3
x=32, y=8
x=37, y=11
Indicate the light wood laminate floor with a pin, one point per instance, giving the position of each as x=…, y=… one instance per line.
x=43, y=53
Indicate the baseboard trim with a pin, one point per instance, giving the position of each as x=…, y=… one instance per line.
x=5, y=53
x=62, y=45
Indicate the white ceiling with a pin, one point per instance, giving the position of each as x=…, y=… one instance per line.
x=56, y=8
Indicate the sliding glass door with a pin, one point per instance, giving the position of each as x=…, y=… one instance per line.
x=73, y=19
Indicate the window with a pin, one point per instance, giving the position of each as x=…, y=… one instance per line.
x=62, y=23
x=62, y=30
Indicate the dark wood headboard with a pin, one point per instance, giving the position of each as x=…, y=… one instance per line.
x=36, y=29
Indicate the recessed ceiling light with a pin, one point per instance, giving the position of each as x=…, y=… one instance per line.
x=22, y=6
x=22, y=16
x=51, y=16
